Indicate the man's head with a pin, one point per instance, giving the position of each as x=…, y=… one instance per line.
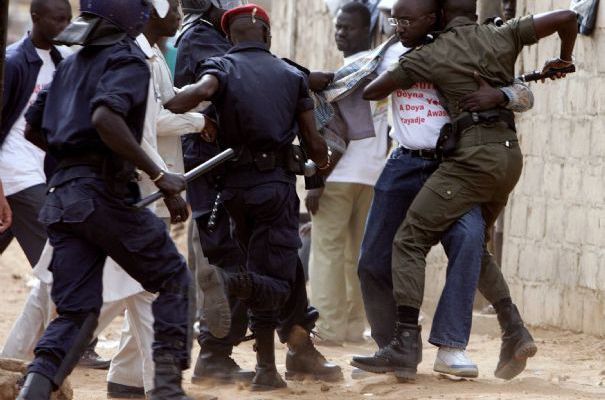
x=250, y=23
x=509, y=8
x=414, y=20
x=352, y=27
x=459, y=8
x=211, y=10
x=49, y=18
x=168, y=24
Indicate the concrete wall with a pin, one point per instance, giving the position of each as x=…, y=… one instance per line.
x=554, y=250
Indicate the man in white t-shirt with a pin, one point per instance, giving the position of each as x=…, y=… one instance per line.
x=340, y=210
x=418, y=116
x=30, y=65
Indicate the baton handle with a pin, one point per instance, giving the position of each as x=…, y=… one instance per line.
x=190, y=176
x=538, y=75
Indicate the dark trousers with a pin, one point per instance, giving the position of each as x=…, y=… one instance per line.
x=85, y=225
x=222, y=250
x=266, y=223
x=29, y=232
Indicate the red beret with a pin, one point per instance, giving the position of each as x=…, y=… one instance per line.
x=251, y=10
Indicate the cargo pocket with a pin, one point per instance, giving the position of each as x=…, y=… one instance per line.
x=78, y=212
x=283, y=253
x=446, y=190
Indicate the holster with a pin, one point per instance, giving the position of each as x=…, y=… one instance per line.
x=448, y=139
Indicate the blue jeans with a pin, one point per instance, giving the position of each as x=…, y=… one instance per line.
x=400, y=181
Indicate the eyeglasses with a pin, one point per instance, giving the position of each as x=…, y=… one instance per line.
x=403, y=22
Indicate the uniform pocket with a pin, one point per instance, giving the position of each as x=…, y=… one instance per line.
x=446, y=190
x=78, y=211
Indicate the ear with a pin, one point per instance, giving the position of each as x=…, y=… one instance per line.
x=35, y=17
x=433, y=18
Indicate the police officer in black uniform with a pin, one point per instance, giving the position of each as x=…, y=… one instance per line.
x=262, y=103
x=201, y=38
x=91, y=121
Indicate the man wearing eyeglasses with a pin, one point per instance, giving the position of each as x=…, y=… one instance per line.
x=418, y=115
x=482, y=167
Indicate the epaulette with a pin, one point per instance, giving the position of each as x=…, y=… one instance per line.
x=428, y=39
x=494, y=20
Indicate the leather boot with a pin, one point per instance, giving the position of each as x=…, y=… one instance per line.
x=35, y=387
x=267, y=377
x=167, y=380
x=304, y=361
x=224, y=369
x=401, y=356
x=517, y=343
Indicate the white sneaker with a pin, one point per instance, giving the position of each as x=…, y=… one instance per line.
x=455, y=362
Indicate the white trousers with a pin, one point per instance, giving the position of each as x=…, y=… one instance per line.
x=133, y=363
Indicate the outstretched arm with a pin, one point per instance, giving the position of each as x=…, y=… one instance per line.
x=193, y=95
x=565, y=23
x=380, y=87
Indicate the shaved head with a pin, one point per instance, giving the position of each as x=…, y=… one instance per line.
x=41, y=6
x=422, y=6
x=243, y=29
x=460, y=7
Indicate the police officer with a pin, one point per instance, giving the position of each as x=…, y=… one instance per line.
x=262, y=102
x=200, y=39
x=91, y=121
x=486, y=161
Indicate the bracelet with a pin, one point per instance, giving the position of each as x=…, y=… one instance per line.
x=328, y=162
x=559, y=59
x=157, y=178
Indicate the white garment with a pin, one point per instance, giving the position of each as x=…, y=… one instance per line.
x=364, y=159
x=417, y=113
x=21, y=162
x=163, y=129
x=133, y=364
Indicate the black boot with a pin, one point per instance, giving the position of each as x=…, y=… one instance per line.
x=401, y=356
x=304, y=361
x=91, y=359
x=220, y=368
x=36, y=387
x=167, y=380
x=267, y=377
x=517, y=343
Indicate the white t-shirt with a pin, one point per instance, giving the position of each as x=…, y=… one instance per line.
x=21, y=162
x=364, y=159
x=417, y=113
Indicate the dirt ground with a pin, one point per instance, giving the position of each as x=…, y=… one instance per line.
x=567, y=366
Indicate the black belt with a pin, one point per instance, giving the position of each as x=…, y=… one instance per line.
x=424, y=154
x=91, y=160
x=246, y=157
x=485, y=117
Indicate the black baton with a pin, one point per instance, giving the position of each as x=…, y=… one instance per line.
x=538, y=75
x=191, y=175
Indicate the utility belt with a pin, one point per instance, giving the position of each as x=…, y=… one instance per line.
x=451, y=133
x=291, y=158
x=120, y=177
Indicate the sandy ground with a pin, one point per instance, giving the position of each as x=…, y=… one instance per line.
x=567, y=366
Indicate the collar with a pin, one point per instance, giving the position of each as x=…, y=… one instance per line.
x=243, y=46
x=145, y=46
x=30, y=50
x=459, y=21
